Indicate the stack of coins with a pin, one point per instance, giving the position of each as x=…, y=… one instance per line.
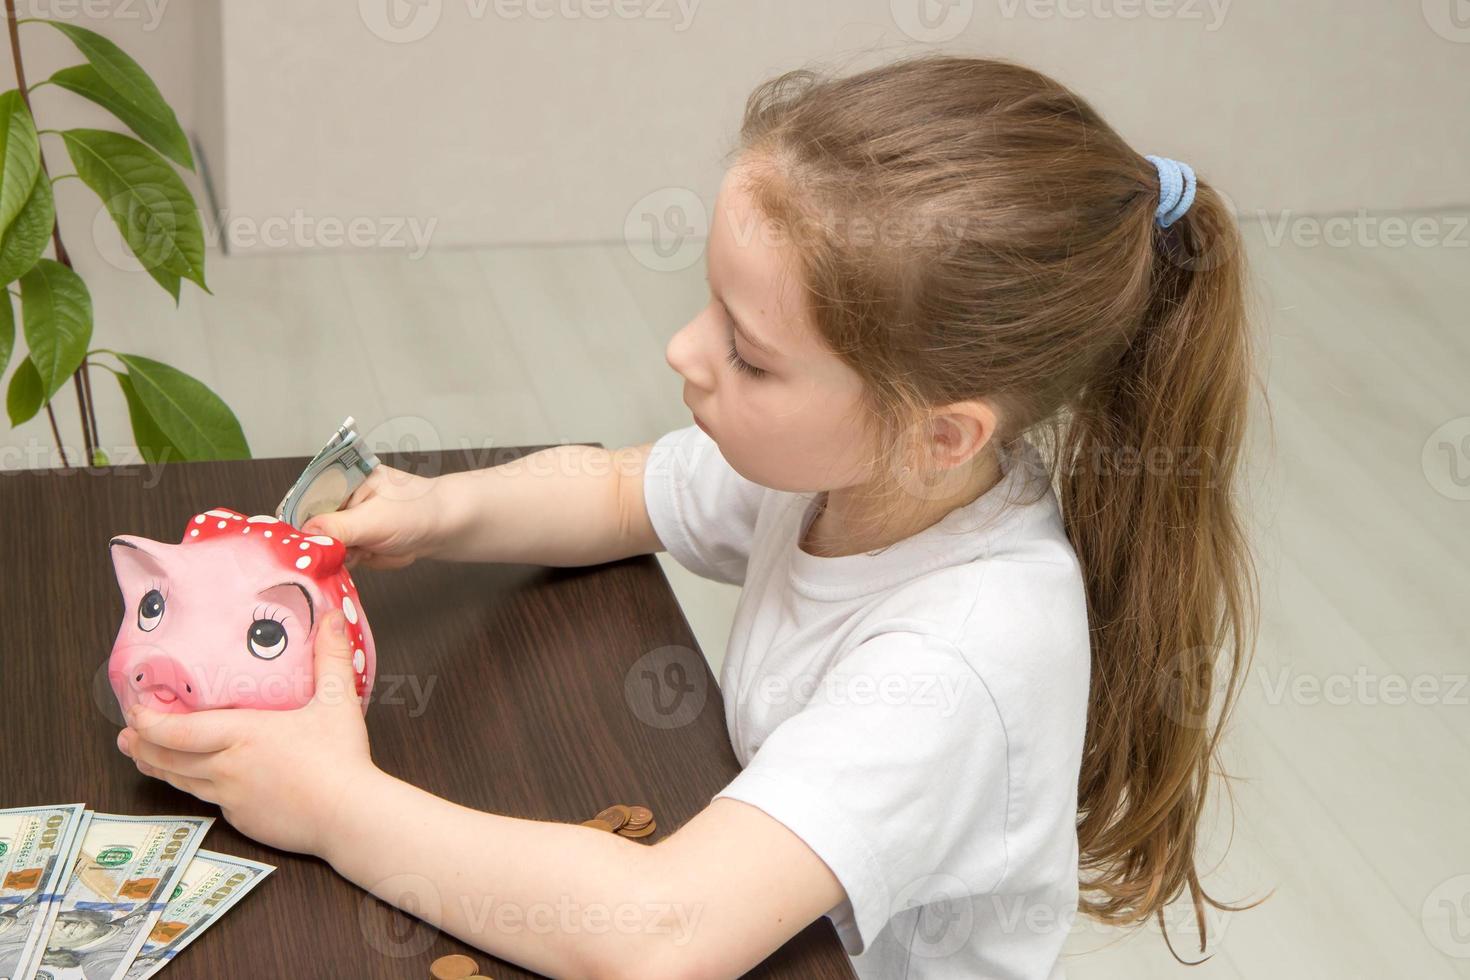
x=634, y=822
x=456, y=967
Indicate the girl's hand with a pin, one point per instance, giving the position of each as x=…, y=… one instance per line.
x=278, y=776
x=387, y=522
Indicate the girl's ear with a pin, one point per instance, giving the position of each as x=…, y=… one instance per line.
x=136, y=561
x=961, y=431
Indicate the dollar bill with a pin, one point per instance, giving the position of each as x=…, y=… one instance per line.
x=329, y=479
x=211, y=884
x=38, y=845
x=68, y=864
x=124, y=874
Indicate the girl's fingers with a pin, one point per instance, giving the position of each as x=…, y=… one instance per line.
x=195, y=765
x=202, y=788
x=198, y=731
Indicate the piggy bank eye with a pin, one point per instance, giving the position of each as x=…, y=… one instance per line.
x=266, y=639
x=150, y=610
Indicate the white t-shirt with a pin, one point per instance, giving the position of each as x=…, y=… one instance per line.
x=915, y=715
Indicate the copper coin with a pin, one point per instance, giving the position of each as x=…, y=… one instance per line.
x=617, y=815
x=639, y=832
x=453, y=967
x=596, y=824
x=639, y=816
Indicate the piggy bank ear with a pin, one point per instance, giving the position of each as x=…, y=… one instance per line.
x=327, y=554
x=136, y=562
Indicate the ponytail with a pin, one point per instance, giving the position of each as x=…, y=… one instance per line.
x=1147, y=470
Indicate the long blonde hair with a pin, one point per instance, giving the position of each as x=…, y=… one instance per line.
x=1011, y=253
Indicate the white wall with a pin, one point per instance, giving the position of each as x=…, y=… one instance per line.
x=500, y=126
x=488, y=122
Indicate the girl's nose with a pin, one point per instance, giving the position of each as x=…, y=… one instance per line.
x=685, y=356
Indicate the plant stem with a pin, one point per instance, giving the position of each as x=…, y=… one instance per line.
x=56, y=434
x=79, y=376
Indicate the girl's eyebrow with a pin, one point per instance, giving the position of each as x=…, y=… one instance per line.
x=739, y=327
x=748, y=338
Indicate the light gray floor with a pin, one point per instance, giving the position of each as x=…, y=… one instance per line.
x=1350, y=746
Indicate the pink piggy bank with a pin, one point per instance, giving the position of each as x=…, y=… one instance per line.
x=227, y=618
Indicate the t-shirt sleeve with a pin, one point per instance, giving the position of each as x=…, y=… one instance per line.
x=895, y=773
x=702, y=510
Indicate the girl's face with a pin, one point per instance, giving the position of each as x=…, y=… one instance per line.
x=785, y=411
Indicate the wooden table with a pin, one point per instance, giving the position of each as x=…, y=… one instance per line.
x=554, y=693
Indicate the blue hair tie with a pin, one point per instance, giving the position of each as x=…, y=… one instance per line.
x=1176, y=190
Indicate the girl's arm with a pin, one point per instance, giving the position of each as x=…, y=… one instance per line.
x=563, y=506
x=713, y=900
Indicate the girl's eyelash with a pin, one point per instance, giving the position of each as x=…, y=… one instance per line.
x=741, y=364
x=738, y=362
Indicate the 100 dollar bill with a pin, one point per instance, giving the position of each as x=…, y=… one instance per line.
x=341, y=466
x=124, y=875
x=211, y=884
x=38, y=845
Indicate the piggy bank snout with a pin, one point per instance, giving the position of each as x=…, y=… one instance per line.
x=149, y=676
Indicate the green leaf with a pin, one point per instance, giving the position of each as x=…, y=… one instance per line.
x=168, y=280
x=7, y=331
x=148, y=202
x=162, y=133
x=20, y=156
x=128, y=85
x=194, y=419
x=56, y=310
x=24, y=399
x=99, y=457
x=154, y=446
x=25, y=240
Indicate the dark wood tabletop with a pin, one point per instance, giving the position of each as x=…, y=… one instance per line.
x=524, y=690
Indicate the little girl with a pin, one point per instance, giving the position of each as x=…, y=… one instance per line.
x=972, y=684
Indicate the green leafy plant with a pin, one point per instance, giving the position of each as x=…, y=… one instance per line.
x=173, y=416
